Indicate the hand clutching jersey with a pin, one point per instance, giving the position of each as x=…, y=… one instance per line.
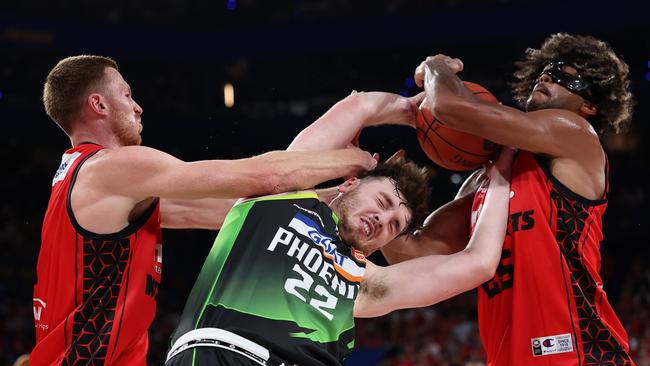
x=279, y=275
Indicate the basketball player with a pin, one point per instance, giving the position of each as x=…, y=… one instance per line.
x=288, y=272
x=546, y=304
x=100, y=259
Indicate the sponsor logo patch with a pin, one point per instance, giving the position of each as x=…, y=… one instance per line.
x=66, y=161
x=550, y=345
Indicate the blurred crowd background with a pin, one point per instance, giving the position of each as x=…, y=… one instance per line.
x=287, y=62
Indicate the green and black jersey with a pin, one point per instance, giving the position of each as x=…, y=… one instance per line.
x=279, y=275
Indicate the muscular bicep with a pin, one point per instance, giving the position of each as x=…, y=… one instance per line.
x=140, y=172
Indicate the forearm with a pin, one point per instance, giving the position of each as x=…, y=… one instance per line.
x=489, y=232
x=341, y=123
x=295, y=170
x=334, y=129
x=206, y=213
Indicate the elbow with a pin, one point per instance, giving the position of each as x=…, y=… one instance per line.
x=485, y=270
x=483, y=267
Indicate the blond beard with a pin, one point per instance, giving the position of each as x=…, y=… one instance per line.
x=125, y=133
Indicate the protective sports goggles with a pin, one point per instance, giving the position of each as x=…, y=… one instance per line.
x=574, y=83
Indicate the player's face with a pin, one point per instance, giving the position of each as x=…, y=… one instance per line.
x=125, y=114
x=548, y=94
x=371, y=213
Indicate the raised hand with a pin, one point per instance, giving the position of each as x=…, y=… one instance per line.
x=454, y=64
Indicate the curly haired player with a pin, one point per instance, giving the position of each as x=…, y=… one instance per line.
x=546, y=304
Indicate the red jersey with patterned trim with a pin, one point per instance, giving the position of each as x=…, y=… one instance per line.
x=546, y=304
x=94, y=297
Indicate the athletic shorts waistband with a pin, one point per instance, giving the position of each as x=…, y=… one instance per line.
x=220, y=338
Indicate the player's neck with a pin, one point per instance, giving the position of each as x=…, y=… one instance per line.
x=96, y=135
x=327, y=194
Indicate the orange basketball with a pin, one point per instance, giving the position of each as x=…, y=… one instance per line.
x=452, y=149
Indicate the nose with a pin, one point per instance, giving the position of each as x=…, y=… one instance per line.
x=544, y=78
x=137, y=108
x=377, y=219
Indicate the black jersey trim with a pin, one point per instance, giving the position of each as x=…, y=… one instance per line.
x=65, y=331
x=128, y=230
x=568, y=300
x=76, y=267
x=87, y=143
x=566, y=191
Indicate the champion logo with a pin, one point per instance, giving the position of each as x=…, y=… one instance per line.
x=548, y=342
x=550, y=345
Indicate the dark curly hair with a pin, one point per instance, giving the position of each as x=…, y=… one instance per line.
x=412, y=182
x=596, y=61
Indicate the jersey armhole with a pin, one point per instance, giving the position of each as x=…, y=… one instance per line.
x=128, y=230
x=566, y=191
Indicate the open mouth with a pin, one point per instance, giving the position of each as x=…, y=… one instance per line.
x=367, y=227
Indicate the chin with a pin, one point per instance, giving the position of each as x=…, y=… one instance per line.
x=531, y=105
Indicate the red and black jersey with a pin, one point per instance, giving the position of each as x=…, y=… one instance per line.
x=94, y=297
x=546, y=304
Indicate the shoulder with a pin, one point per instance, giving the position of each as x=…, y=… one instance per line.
x=129, y=157
x=127, y=154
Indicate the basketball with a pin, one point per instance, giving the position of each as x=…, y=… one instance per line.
x=452, y=149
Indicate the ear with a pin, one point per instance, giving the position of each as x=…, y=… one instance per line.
x=97, y=103
x=588, y=108
x=349, y=184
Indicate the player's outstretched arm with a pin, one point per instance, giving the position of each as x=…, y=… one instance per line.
x=339, y=126
x=427, y=280
x=554, y=132
x=203, y=213
x=139, y=172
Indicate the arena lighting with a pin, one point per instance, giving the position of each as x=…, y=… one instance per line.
x=456, y=178
x=1, y=94
x=647, y=75
x=231, y=4
x=228, y=95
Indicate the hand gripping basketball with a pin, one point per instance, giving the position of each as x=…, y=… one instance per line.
x=453, y=149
